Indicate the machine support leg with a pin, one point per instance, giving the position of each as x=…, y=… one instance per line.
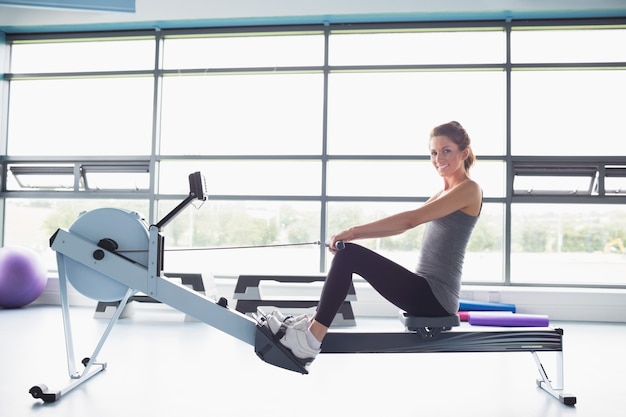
x=554, y=389
x=92, y=367
x=67, y=327
x=129, y=293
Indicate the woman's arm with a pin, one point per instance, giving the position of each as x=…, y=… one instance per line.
x=466, y=197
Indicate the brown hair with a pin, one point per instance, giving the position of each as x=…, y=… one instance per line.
x=457, y=134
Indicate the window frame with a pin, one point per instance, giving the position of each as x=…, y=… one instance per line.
x=605, y=166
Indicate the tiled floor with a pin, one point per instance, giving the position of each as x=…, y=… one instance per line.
x=160, y=365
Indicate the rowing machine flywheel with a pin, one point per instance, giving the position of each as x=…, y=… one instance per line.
x=120, y=230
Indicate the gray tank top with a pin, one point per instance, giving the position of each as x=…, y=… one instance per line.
x=441, y=258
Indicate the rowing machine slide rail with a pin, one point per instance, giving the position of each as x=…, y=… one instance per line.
x=430, y=335
x=443, y=335
x=89, y=256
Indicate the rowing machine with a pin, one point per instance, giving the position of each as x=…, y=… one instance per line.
x=111, y=255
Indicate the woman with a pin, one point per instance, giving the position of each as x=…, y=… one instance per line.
x=433, y=289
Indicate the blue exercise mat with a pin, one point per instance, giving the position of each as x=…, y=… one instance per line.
x=468, y=305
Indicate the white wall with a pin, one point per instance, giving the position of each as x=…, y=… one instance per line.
x=559, y=304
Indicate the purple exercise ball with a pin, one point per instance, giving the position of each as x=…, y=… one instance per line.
x=23, y=276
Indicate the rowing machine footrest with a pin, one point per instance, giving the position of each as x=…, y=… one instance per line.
x=273, y=352
x=429, y=326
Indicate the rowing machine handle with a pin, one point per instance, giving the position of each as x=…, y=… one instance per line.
x=339, y=245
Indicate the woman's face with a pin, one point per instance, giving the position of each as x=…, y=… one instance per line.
x=446, y=156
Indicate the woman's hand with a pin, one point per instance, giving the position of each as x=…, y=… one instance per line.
x=344, y=236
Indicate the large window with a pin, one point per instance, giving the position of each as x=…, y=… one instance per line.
x=239, y=114
x=386, y=113
x=303, y=131
x=571, y=243
x=566, y=112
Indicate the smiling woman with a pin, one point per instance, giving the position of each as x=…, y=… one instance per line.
x=450, y=147
x=433, y=289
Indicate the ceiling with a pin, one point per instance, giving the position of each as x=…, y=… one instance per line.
x=196, y=13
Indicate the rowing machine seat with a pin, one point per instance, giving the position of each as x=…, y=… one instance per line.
x=429, y=326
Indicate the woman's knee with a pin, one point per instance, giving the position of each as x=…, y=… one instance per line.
x=347, y=257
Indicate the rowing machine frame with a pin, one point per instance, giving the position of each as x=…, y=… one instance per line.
x=148, y=279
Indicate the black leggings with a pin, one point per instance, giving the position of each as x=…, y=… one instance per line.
x=405, y=289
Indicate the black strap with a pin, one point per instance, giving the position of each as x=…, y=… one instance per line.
x=281, y=332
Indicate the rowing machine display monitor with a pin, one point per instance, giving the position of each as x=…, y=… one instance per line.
x=197, y=186
x=197, y=191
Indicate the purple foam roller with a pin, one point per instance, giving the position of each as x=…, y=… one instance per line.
x=507, y=319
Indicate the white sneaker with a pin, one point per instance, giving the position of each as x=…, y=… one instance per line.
x=288, y=320
x=293, y=337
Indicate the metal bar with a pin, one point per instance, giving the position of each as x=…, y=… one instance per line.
x=107, y=331
x=204, y=309
x=556, y=389
x=67, y=326
x=453, y=341
x=92, y=367
x=559, y=382
x=99, y=367
x=136, y=276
